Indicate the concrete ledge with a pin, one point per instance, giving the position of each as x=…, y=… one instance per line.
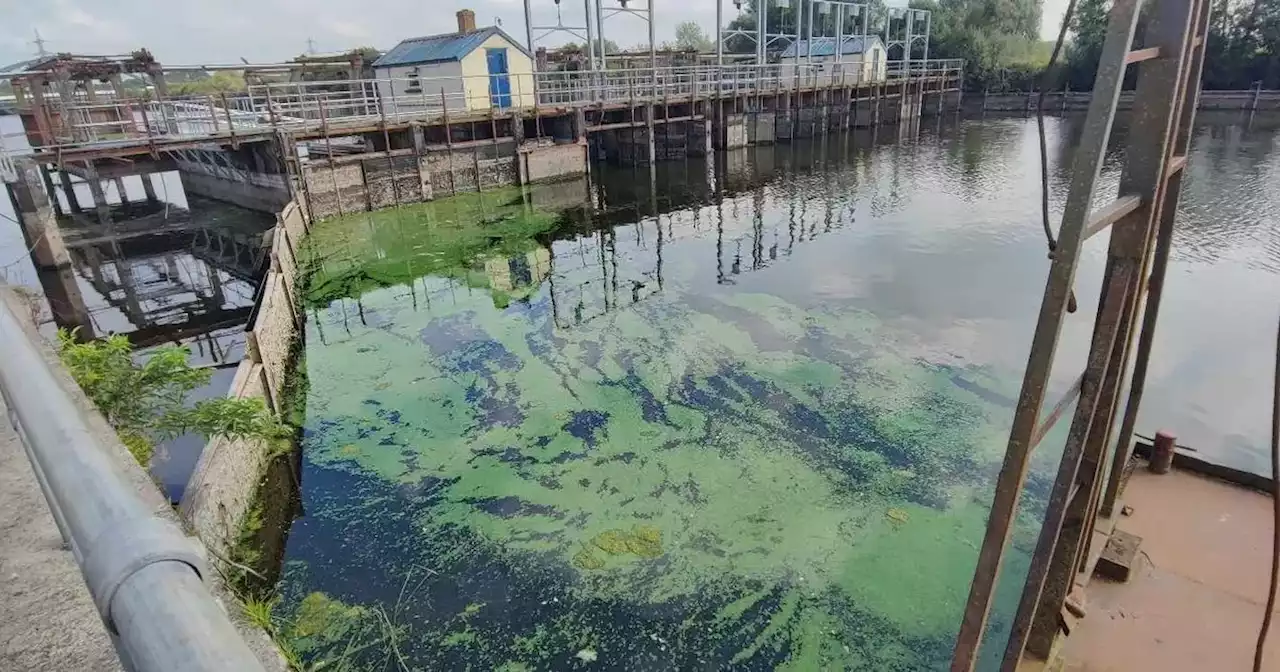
x=71, y=602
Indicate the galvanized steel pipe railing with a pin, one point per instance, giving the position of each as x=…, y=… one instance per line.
x=144, y=574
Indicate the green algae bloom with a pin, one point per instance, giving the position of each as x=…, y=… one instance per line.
x=625, y=455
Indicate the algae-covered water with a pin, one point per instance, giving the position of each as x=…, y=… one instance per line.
x=742, y=414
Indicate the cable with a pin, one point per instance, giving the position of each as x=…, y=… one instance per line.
x=1045, y=81
x=1275, y=520
x=25, y=254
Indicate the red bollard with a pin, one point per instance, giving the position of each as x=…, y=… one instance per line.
x=1162, y=453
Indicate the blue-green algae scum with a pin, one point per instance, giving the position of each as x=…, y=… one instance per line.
x=612, y=426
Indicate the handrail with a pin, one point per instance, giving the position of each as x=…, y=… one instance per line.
x=144, y=575
x=109, y=121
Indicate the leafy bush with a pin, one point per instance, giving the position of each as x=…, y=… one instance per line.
x=147, y=402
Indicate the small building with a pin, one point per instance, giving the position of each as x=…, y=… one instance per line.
x=472, y=69
x=863, y=58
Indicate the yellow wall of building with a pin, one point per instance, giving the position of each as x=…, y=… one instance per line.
x=475, y=70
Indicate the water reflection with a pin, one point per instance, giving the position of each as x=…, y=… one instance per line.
x=688, y=416
x=164, y=269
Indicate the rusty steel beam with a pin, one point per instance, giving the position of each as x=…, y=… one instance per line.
x=1179, y=38
x=1111, y=214
x=1085, y=171
x=1160, y=263
x=1059, y=409
x=1066, y=488
x=1064, y=536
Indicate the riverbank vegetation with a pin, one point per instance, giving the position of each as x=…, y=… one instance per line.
x=146, y=399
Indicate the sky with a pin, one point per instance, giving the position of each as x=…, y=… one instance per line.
x=189, y=32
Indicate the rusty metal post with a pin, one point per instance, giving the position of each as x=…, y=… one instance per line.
x=1159, y=267
x=1009, y=484
x=1162, y=451
x=271, y=108
x=230, y=123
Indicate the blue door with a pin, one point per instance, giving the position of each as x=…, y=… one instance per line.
x=499, y=83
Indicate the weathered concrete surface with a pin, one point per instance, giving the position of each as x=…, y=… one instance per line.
x=47, y=619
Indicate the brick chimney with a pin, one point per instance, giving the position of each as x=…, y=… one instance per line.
x=466, y=21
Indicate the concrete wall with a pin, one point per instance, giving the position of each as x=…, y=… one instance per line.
x=226, y=479
x=432, y=79
x=379, y=180
x=135, y=476
x=475, y=70
x=550, y=161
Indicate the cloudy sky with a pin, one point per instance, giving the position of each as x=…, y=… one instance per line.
x=205, y=31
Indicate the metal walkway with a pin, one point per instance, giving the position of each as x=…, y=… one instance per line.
x=104, y=123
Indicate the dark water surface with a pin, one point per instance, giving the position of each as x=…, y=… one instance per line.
x=738, y=414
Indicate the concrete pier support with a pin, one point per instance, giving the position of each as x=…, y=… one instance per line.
x=99, y=194
x=120, y=191
x=48, y=251
x=39, y=225
x=69, y=191
x=761, y=129
x=730, y=129
x=149, y=188
x=46, y=173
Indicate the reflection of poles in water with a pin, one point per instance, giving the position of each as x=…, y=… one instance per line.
x=551, y=283
x=657, y=217
x=757, y=227
x=719, y=196
x=360, y=308
x=345, y=324
x=604, y=268
x=613, y=258
x=315, y=316
x=737, y=258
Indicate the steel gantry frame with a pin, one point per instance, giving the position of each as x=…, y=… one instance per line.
x=905, y=36
x=1142, y=218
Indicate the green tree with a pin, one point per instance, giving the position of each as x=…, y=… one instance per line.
x=1088, y=30
x=147, y=402
x=997, y=39
x=205, y=84
x=690, y=36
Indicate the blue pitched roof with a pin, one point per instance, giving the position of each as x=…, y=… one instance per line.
x=440, y=48
x=826, y=46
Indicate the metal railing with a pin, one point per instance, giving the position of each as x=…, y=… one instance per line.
x=294, y=106
x=144, y=575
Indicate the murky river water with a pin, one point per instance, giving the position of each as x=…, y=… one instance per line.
x=743, y=414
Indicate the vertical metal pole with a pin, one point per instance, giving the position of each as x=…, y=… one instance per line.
x=808, y=42
x=653, y=47
x=839, y=32
x=762, y=30
x=591, y=34
x=528, y=30
x=719, y=33
x=600, y=33
x=906, y=49
x=928, y=27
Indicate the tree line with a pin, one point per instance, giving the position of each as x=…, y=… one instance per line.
x=999, y=41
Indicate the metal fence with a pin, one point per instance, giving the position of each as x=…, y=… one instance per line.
x=107, y=120
x=144, y=575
